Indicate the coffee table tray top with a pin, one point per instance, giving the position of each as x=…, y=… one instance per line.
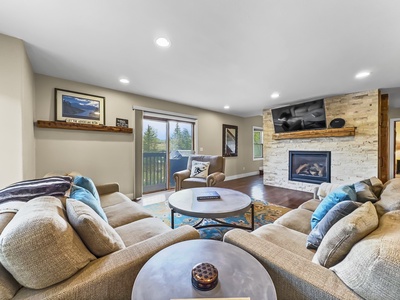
x=231, y=203
x=167, y=275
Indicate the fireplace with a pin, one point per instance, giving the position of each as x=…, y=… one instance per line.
x=310, y=166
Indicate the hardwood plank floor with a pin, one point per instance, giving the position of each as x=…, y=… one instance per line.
x=252, y=186
x=255, y=188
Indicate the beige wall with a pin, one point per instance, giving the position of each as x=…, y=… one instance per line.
x=109, y=156
x=16, y=113
x=352, y=158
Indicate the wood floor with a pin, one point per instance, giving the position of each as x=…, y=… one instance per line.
x=252, y=186
x=255, y=188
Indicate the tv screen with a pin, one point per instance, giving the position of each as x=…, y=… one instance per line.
x=304, y=116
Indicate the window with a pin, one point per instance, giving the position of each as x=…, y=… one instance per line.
x=257, y=143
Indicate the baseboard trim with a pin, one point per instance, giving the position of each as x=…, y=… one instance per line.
x=241, y=175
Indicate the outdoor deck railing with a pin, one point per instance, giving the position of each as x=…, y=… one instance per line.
x=154, y=171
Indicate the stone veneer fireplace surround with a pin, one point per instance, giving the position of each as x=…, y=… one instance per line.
x=353, y=158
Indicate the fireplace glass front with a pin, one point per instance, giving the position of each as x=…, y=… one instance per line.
x=310, y=166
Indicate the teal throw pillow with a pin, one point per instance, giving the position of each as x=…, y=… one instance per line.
x=345, y=192
x=88, y=184
x=83, y=195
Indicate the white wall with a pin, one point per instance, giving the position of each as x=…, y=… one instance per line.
x=109, y=156
x=16, y=113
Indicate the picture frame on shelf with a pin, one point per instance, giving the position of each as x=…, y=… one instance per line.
x=121, y=122
x=229, y=140
x=79, y=107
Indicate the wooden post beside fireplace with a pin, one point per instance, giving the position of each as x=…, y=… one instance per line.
x=310, y=166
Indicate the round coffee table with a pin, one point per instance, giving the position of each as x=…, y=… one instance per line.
x=230, y=203
x=167, y=275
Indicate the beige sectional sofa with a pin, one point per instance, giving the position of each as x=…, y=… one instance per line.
x=367, y=269
x=53, y=257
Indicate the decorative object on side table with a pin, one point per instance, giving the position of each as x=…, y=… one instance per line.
x=121, y=122
x=229, y=140
x=79, y=107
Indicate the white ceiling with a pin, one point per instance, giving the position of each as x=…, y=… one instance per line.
x=223, y=52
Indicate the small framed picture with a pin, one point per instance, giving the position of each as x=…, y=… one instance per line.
x=79, y=107
x=121, y=122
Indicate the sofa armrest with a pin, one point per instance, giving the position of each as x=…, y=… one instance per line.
x=107, y=188
x=214, y=178
x=112, y=276
x=294, y=276
x=179, y=177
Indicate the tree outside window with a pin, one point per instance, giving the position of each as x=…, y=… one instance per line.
x=257, y=143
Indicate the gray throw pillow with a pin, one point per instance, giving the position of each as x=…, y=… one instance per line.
x=345, y=233
x=365, y=191
x=339, y=211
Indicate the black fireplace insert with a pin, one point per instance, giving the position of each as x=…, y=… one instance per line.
x=310, y=166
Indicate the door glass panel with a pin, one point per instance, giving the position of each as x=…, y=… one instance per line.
x=154, y=155
x=180, y=146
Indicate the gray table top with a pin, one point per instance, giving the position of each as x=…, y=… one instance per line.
x=231, y=203
x=167, y=275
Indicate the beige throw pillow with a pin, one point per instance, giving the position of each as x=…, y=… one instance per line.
x=98, y=236
x=345, y=233
x=199, y=169
x=371, y=269
x=39, y=247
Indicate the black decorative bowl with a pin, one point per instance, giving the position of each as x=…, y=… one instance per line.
x=204, y=276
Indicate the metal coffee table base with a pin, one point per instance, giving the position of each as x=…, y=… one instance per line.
x=218, y=223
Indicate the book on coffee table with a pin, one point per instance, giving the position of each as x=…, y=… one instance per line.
x=208, y=195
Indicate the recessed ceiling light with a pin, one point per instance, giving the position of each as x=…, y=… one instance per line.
x=275, y=95
x=226, y=107
x=124, y=80
x=163, y=42
x=363, y=74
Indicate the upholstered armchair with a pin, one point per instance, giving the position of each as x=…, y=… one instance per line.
x=216, y=169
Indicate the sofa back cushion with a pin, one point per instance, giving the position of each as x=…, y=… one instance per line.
x=96, y=234
x=345, y=233
x=39, y=247
x=371, y=268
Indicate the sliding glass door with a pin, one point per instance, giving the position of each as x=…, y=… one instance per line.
x=167, y=145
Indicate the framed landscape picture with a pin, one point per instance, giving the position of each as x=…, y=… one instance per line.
x=79, y=107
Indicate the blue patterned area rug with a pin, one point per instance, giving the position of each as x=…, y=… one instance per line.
x=264, y=213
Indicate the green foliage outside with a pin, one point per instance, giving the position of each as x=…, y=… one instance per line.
x=150, y=140
x=180, y=139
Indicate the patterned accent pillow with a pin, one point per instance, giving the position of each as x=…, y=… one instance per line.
x=28, y=189
x=199, y=169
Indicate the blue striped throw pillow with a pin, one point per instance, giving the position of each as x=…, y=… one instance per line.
x=29, y=189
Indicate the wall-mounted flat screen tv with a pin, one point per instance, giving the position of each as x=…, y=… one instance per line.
x=304, y=116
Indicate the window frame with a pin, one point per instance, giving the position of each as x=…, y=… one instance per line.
x=258, y=129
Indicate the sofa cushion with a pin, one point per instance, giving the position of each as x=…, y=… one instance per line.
x=339, y=211
x=310, y=205
x=342, y=193
x=8, y=285
x=100, y=238
x=88, y=184
x=296, y=219
x=30, y=189
x=120, y=210
x=345, y=233
x=372, y=267
x=390, y=199
x=199, y=169
x=286, y=238
x=141, y=230
x=39, y=247
x=83, y=195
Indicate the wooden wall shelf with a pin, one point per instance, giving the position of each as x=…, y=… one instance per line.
x=321, y=133
x=79, y=126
